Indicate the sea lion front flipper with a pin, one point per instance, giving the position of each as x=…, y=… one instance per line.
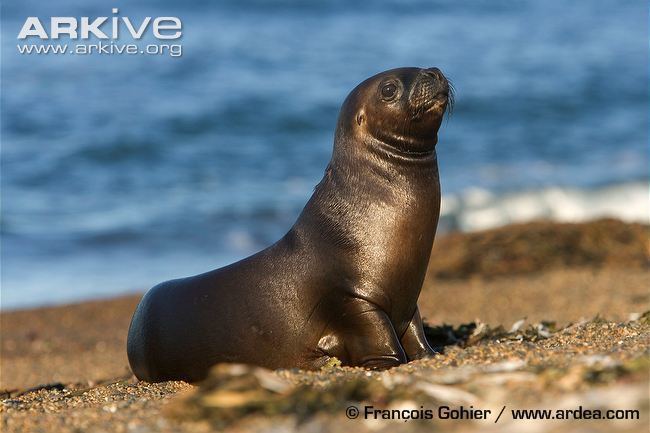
x=369, y=338
x=414, y=341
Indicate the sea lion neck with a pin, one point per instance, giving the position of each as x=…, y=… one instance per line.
x=371, y=160
x=357, y=180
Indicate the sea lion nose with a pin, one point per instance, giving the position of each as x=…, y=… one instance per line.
x=435, y=73
x=434, y=78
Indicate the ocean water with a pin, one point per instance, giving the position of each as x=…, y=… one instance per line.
x=122, y=171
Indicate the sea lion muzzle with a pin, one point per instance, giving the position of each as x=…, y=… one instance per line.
x=431, y=89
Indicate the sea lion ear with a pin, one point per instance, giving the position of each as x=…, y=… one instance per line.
x=361, y=117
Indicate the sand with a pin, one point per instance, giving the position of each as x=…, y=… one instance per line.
x=64, y=368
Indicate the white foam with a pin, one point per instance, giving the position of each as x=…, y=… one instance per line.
x=478, y=209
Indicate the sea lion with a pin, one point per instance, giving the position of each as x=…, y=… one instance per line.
x=344, y=281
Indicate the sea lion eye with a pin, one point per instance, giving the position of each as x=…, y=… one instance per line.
x=388, y=91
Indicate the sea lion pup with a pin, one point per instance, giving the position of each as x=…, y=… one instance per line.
x=345, y=280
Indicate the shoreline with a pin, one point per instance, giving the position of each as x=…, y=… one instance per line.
x=454, y=254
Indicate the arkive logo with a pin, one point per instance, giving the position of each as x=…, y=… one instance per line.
x=114, y=35
x=164, y=28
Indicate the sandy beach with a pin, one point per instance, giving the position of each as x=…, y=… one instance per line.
x=552, y=315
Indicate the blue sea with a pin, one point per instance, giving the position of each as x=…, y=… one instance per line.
x=120, y=171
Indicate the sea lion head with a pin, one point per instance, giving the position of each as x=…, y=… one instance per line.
x=401, y=109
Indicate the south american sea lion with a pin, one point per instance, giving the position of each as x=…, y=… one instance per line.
x=345, y=280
